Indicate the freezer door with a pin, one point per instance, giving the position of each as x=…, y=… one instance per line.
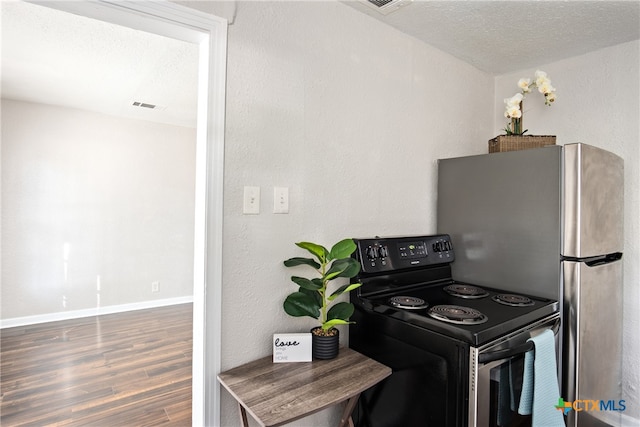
x=593, y=202
x=593, y=339
x=503, y=213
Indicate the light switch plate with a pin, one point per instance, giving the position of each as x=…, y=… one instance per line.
x=280, y=200
x=251, y=203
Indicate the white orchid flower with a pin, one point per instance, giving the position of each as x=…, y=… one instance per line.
x=546, y=88
x=514, y=100
x=513, y=112
x=513, y=105
x=549, y=98
x=540, y=74
x=524, y=85
x=542, y=81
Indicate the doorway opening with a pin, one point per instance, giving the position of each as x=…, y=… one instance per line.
x=209, y=34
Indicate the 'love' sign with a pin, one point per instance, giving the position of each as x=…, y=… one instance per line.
x=291, y=348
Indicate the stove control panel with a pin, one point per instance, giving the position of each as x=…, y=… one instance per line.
x=380, y=254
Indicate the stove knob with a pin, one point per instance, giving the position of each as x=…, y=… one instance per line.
x=384, y=251
x=372, y=252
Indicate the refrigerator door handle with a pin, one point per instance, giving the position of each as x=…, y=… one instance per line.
x=596, y=260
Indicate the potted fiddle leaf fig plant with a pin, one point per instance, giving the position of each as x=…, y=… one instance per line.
x=313, y=297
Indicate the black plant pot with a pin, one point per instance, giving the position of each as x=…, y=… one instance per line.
x=324, y=347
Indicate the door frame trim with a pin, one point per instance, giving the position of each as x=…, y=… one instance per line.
x=210, y=33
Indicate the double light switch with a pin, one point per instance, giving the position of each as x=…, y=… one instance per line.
x=251, y=200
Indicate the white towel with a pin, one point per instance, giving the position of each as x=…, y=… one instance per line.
x=540, y=383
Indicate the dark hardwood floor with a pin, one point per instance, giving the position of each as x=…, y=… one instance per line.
x=125, y=369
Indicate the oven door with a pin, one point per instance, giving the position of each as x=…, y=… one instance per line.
x=495, y=377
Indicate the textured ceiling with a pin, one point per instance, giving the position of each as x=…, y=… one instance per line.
x=58, y=58
x=505, y=36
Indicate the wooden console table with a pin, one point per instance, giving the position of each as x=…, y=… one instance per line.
x=278, y=393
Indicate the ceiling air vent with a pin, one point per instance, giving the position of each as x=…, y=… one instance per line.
x=385, y=7
x=143, y=105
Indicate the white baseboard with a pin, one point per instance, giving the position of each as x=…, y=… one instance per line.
x=89, y=312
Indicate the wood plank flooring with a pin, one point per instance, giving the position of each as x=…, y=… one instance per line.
x=124, y=369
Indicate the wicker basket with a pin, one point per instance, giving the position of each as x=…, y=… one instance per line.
x=503, y=143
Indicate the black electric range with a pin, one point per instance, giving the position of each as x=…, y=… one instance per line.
x=445, y=340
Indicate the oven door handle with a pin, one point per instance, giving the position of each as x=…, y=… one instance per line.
x=513, y=351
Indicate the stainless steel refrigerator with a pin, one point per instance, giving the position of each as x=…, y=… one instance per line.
x=548, y=222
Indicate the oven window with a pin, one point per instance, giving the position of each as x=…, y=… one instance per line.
x=417, y=393
x=505, y=389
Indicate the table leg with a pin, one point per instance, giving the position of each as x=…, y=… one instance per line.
x=348, y=409
x=243, y=416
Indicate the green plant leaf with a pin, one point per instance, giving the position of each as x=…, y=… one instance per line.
x=334, y=322
x=313, y=294
x=337, y=267
x=292, y=262
x=319, y=251
x=342, y=311
x=342, y=249
x=353, y=268
x=344, y=289
x=303, y=282
x=299, y=304
x=345, y=267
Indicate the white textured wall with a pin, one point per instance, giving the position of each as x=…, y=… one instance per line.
x=599, y=104
x=351, y=115
x=94, y=209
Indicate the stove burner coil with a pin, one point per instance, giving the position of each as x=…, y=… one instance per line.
x=466, y=291
x=457, y=314
x=513, y=300
x=410, y=303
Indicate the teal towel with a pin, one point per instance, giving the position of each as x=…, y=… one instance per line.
x=540, y=383
x=526, y=397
